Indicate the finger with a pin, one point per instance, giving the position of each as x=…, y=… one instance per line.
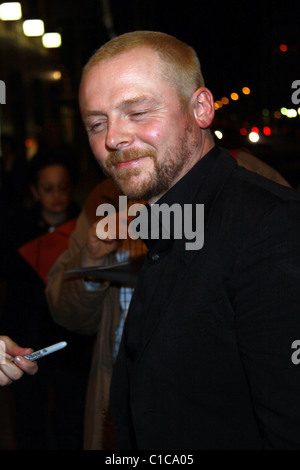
x=10, y=372
x=30, y=367
x=4, y=380
x=10, y=347
x=7, y=345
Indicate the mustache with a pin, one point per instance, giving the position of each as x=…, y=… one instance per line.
x=119, y=156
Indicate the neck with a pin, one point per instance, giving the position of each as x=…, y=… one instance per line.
x=206, y=145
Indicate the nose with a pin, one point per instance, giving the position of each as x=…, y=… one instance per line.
x=56, y=193
x=118, y=134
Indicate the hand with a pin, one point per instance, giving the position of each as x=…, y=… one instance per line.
x=102, y=242
x=96, y=249
x=12, y=371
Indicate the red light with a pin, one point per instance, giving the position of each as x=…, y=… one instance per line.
x=255, y=129
x=29, y=143
x=267, y=130
x=283, y=47
x=243, y=131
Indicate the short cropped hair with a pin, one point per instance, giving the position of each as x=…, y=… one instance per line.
x=180, y=64
x=50, y=157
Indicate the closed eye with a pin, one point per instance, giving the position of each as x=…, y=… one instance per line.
x=138, y=114
x=95, y=126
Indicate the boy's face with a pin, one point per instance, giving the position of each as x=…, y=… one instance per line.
x=53, y=189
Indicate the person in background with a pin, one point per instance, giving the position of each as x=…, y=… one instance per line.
x=92, y=307
x=50, y=407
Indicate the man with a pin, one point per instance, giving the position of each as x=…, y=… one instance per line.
x=93, y=307
x=205, y=358
x=12, y=363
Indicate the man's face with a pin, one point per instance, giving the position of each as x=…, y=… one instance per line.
x=137, y=129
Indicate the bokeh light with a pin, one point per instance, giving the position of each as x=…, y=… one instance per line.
x=246, y=90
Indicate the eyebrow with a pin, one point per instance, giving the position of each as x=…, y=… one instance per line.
x=137, y=100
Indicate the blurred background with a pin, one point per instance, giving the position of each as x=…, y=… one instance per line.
x=249, y=54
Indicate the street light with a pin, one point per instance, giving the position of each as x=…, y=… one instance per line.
x=33, y=28
x=253, y=137
x=10, y=11
x=234, y=96
x=246, y=90
x=51, y=40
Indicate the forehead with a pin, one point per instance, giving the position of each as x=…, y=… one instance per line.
x=53, y=173
x=137, y=70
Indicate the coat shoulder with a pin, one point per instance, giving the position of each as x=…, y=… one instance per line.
x=251, y=183
x=247, y=200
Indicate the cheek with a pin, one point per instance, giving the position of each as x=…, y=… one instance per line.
x=45, y=200
x=98, y=148
x=151, y=133
x=66, y=198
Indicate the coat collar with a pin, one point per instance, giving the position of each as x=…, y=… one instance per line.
x=216, y=180
x=201, y=185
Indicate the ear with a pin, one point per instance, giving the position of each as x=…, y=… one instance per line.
x=203, y=107
x=34, y=192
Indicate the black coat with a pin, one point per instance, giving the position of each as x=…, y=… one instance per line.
x=213, y=367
